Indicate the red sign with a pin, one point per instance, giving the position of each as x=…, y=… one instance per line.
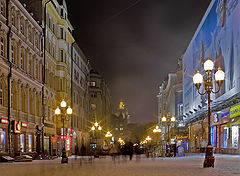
x=24, y=124
x=17, y=126
x=4, y=121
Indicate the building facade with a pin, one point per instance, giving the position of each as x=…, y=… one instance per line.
x=221, y=20
x=21, y=80
x=57, y=82
x=80, y=99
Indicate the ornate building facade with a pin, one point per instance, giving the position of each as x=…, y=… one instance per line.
x=21, y=79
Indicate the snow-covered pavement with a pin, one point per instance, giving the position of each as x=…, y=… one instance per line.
x=225, y=165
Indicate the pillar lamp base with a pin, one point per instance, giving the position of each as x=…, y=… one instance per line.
x=209, y=158
x=64, y=156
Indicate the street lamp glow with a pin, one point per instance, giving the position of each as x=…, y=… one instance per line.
x=63, y=104
x=57, y=111
x=219, y=75
x=197, y=78
x=96, y=124
x=108, y=134
x=164, y=119
x=173, y=119
x=69, y=110
x=99, y=128
x=208, y=65
x=93, y=128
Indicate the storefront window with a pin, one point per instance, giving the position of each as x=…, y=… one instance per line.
x=235, y=136
x=214, y=136
x=224, y=137
x=22, y=142
x=2, y=141
x=30, y=143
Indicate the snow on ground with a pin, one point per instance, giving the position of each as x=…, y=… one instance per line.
x=225, y=165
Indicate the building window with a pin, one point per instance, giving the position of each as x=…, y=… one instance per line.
x=21, y=26
x=2, y=8
x=22, y=142
x=21, y=59
x=1, y=93
x=2, y=46
x=121, y=129
x=13, y=18
x=61, y=85
x=61, y=33
x=93, y=83
x=12, y=52
x=30, y=143
x=2, y=141
x=61, y=55
x=61, y=11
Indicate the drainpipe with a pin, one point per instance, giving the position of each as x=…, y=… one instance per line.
x=9, y=78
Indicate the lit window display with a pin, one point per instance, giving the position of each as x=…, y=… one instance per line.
x=30, y=143
x=2, y=141
x=235, y=136
x=224, y=137
x=22, y=142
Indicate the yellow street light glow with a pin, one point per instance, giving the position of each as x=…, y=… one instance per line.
x=99, y=128
x=93, y=128
x=164, y=119
x=63, y=104
x=108, y=134
x=57, y=111
x=173, y=119
x=69, y=110
x=96, y=124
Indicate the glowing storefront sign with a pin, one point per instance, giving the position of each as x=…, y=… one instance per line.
x=4, y=120
x=235, y=111
x=17, y=126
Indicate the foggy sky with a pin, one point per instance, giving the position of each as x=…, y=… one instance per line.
x=134, y=44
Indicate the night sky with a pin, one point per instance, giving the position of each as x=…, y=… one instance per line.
x=134, y=44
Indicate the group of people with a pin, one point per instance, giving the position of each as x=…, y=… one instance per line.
x=126, y=149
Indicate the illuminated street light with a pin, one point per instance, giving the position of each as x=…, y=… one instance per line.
x=208, y=89
x=64, y=112
x=108, y=134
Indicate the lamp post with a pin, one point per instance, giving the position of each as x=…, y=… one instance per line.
x=157, y=130
x=198, y=79
x=96, y=127
x=168, y=120
x=64, y=111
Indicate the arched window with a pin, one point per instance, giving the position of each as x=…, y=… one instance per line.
x=12, y=53
x=21, y=59
x=2, y=46
x=30, y=33
x=30, y=64
x=13, y=17
x=1, y=93
x=2, y=8
x=22, y=25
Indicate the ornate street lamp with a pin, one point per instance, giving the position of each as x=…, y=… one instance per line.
x=198, y=79
x=64, y=112
x=109, y=134
x=168, y=121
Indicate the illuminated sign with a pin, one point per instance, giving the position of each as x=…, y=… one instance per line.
x=24, y=124
x=235, y=111
x=17, y=126
x=4, y=121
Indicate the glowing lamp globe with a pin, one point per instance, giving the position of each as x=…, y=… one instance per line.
x=63, y=104
x=93, y=128
x=173, y=119
x=208, y=65
x=99, y=128
x=96, y=124
x=57, y=111
x=219, y=75
x=164, y=119
x=69, y=110
x=197, y=78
